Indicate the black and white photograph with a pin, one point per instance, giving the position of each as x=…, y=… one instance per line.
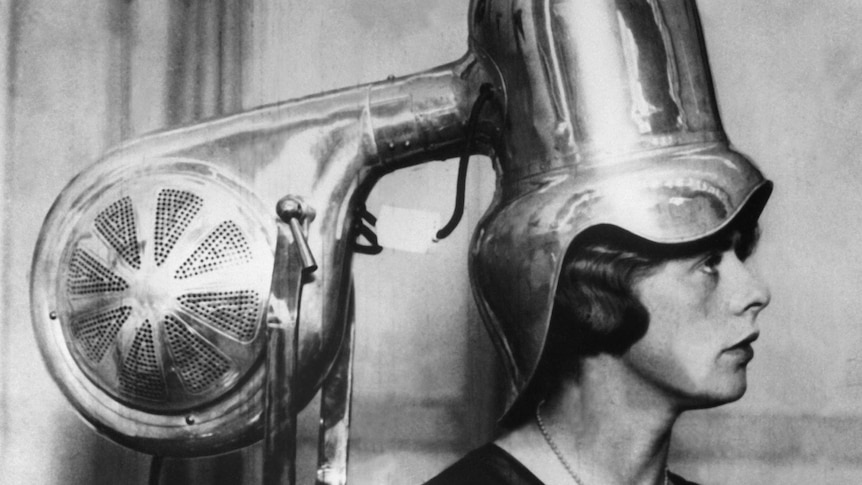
x=459, y=242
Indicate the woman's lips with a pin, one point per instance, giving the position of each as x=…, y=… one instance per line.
x=743, y=350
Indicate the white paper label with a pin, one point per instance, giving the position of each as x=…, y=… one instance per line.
x=406, y=229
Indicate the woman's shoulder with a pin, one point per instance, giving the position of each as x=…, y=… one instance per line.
x=487, y=465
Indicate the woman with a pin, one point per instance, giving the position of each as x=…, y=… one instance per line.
x=640, y=333
x=612, y=268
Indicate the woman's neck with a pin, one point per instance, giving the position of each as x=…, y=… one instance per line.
x=608, y=429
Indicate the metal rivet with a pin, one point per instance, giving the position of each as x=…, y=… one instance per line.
x=391, y=146
x=190, y=419
x=52, y=315
x=407, y=144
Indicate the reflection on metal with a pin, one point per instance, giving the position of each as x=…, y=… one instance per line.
x=335, y=405
x=328, y=150
x=153, y=281
x=610, y=119
x=295, y=213
x=293, y=262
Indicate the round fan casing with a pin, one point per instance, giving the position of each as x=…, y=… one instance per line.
x=149, y=295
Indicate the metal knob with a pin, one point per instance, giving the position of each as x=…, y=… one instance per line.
x=295, y=212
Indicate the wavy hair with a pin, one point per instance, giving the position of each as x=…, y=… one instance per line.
x=596, y=309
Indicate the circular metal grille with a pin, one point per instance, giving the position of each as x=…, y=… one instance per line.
x=162, y=289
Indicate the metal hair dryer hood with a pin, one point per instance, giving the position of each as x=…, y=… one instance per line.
x=141, y=295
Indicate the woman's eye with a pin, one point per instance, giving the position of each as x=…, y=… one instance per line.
x=711, y=263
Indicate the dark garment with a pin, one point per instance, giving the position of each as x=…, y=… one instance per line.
x=488, y=465
x=491, y=465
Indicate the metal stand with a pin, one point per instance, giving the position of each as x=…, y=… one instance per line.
x=336, y=398
x=293, y=261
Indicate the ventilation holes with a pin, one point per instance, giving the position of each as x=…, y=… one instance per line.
x=198, y=363
x=141, y=376
x=95, y=335
x=224, y=247
x=175, y=210
x=117, y=224
x=87, y=276
x=234, y=312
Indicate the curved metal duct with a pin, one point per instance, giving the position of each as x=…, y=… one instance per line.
x=153, y=275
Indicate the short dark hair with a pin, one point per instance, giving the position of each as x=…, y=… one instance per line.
x=595, y=308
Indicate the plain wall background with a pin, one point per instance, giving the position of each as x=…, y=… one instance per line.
x=81, y=76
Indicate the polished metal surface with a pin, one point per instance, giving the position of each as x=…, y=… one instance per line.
x=150, y=302
x=610, y=118
x=335, y=405
x=603, y=114
x=279, y=406
x=327, y=150
x=591, y=79
x=296, y=214
x=157, y=294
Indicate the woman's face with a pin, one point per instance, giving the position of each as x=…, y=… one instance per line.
x=702, y=323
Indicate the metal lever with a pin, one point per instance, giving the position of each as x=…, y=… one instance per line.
x=292, y=210
x=292, y=263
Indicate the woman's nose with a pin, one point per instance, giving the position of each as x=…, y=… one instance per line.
x=752, y=293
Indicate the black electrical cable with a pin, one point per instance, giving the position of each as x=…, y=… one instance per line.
x=155, y=470
x=486, y=92
x=364, y=227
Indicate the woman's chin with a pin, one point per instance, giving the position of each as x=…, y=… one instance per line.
x=727, y=391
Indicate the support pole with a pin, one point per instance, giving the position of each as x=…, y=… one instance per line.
x=293, y=261
x=335, y=404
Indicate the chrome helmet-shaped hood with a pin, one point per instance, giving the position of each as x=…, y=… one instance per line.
x=610, y=118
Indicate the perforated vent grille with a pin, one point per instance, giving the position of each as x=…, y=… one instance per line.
x=198, y=363
x=88, y=276
x=117, y=224
x=141, y=376
x=226, y=246
x=175, y=209
x=163, y=285
x=236, y=313
x=96, y=334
